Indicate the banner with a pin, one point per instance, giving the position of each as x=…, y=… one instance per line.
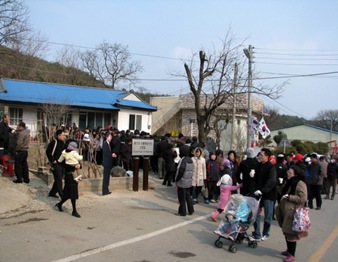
x=263, y=128
x=255, y=123
x=259, y=126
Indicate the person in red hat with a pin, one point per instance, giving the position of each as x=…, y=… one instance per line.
x=298, y=161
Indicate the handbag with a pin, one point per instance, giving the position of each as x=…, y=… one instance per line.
x=301, y=220
x=204, y=192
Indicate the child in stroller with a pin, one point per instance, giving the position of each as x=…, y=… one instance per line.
x=240, y=213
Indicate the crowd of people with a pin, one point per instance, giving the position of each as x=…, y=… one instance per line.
x=281, y=182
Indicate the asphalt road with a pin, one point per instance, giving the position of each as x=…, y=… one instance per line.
x=141, y=227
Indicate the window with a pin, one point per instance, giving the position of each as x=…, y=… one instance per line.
x=91, y=120
x=139, y=122
x=98, y=119
x=107, y=119
x=135, y=122
x=83, y=120
x=15, y=116
x=131, y=122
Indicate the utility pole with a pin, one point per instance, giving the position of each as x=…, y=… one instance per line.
x=249, y=54
x=234, y=107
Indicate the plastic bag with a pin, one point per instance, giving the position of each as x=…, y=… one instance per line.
x=301, y=220
x=205, y=192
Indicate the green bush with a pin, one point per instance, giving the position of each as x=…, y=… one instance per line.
x=296, y=142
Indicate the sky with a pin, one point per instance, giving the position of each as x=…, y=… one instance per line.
x=294, y=40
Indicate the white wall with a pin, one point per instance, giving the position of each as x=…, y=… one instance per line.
x=131, y=97
x=29, y=116
x=123, y=119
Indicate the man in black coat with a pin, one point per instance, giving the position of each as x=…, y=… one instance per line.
x=5, y=130
x=115, y=145
x=107, y=163
x=161, y=147
x=332, y=175
x=266, y=187
x=246, y=167
x=316, y=182
x=53, y=152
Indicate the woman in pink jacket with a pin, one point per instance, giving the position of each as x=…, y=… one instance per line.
x=226, y=187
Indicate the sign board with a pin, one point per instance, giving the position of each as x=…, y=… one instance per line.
x=142, y=147
x=284, y=142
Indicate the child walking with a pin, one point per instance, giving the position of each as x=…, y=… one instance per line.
x=226, y=187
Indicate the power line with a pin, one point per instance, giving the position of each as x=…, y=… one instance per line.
x=296, y=50
x=290, y=54
x=289, y=109
x=184, y=79
x=288, y=75
x=293, y=64
x=93, y=48
x=299, y=59
x=297, y=76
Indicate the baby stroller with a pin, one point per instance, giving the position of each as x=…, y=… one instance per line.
x=244, y=210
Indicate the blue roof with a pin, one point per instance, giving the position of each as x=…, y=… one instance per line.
x=50, y=93
x=135, y=104
x=321, y=128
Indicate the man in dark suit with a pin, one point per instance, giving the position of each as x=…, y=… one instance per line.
x=53, y=152
x=107, y=163
x=4, y=133
x=115, y=146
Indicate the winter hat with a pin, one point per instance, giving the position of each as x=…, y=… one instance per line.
x=86, y=137
x=225, y=180
x=314, y=155
x=226, y=162
x=73, y=145
x=298, y=157
x=250, y=153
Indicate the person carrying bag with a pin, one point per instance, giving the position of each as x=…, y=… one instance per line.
x=294, y=198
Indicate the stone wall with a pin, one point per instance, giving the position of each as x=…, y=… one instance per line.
x=95, y=184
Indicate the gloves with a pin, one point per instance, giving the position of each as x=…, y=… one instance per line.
x=257, y=193
x=286, y=196
x=78, y=179
x=252, y=173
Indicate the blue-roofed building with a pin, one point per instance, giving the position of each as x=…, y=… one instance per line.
x=83, y=106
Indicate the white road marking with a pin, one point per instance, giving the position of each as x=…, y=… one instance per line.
x=129, y=241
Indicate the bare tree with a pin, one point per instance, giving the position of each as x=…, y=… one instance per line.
x=13, y=20
x=31, y=44
x=219, y=123
x=70, y=58
x=24, y=53
x=239, y=139
x=111, y=64
x=55, y=114
x=328, y=119
x=211, y=83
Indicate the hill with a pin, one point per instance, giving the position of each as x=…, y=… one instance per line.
x=16, y=65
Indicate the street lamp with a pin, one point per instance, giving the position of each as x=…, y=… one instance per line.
x=249, y=54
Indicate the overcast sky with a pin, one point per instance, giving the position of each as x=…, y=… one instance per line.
x=290, y=37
